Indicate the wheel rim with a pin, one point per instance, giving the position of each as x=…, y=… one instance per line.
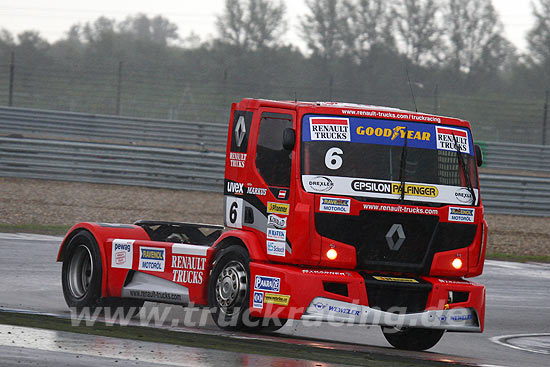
x=80, y=271
x=231, y=287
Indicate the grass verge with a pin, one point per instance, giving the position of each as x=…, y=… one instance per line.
x=249, y=346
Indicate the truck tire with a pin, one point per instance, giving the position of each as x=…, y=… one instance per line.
x=229, y=293
x=81, y=277
x=412, y=338
x=229, y=287
x=81, y=272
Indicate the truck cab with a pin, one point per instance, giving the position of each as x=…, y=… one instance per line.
x=390, y=197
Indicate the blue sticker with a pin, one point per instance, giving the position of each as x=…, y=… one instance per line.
x=385, y=132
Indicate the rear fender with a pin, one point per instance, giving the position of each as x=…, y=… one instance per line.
x=102, y=232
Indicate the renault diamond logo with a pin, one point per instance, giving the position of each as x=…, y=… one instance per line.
x=240, y=131
x=392, y=243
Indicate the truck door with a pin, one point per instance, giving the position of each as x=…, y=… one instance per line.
x=271, y=182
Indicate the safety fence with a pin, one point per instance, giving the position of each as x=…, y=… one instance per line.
x=114, y=129
x=189, y=156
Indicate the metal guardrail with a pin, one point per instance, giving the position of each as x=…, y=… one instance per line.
x=519, y=195
x=190, y=169
x=101, y=128
x=517, y=156
x=113, y=164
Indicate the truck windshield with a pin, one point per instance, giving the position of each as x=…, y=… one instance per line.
x=363, y=158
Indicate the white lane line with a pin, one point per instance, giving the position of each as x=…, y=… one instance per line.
x=504, y=341
x=503, y=264
x=29, y=237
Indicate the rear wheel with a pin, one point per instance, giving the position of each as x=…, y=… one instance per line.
x=81, y=277
x=81, y=272
x=412, y=338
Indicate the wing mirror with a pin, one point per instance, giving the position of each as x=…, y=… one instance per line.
x=289, y=138
x=479, y=155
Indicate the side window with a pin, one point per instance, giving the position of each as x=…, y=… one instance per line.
x=272, y=160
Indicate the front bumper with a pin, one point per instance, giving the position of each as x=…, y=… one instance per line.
x=347, y=296
x=330, y=310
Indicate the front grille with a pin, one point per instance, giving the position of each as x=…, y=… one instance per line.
x=423, y=237
x=395, y=296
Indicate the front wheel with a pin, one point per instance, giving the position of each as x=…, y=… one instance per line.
x=229, y=287
x=412, y=338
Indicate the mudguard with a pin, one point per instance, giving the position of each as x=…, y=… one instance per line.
x=102, y=232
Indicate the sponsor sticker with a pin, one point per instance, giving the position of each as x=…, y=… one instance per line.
x=321, y=184
x=265, y=283
x=276, y=248
x=237, y=159
x=151, y=258
x=235, y=188
x=335, y=205
x=461, y=214
x=188, y=269
x=464, y=195
x=325, y=272
x=275, y=221
x=397, y=132
x=258, y=300
x=416, y=190
x=329, y=128
x=278, y=208
x=277, y=299
x=256, y=191
x=122, y=254
x=446, y=139
x=282, y=195
x=276, y=234
x=393, y=279
x=371, y=186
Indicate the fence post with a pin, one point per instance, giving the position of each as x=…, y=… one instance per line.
x=436, y=99
x=545, y=118
x=119, y=87
x=12, y=71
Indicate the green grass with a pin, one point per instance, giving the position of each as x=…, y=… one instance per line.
x=250, y=346
x=518, y=258
x=35, y=228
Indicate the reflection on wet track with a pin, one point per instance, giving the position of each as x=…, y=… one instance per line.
x=132, y=350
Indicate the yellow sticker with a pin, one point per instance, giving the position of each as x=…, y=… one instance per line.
x=278, y=208
x=416, y=190
x=392, y=279
x=276, y=299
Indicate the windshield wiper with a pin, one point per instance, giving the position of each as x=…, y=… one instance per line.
x=403, y=166
x=464, y=169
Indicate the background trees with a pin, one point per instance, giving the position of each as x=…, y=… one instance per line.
x=355, y=50
x=252, y=24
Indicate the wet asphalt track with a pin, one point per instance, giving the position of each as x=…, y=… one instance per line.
x=517, y=324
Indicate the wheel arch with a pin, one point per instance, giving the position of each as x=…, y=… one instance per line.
x=247, y=240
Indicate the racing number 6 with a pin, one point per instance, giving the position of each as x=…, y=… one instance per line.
x=333, y=159
x=233, y=212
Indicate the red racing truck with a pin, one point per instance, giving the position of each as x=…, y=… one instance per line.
x=333, y=212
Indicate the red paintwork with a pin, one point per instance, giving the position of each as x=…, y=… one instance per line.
x=308, y=247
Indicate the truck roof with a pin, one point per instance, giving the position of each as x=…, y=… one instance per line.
x=352, y=110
